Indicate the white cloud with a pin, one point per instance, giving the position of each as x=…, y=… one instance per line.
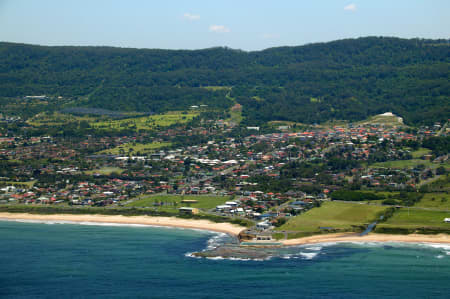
x=350, y=7
x=219, y=29
x=191, y=17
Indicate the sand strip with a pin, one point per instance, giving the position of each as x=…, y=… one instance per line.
x=228, y=228
x=349, y=237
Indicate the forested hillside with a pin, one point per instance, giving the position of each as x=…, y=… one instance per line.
x=347, y=79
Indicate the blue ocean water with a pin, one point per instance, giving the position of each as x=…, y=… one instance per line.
x=91, y=261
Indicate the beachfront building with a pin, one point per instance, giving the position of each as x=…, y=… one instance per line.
x=188, y=211
x=263, y=225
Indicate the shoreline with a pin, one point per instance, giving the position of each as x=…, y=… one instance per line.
x=222, y=227
x=372, y=237
x=228, y=228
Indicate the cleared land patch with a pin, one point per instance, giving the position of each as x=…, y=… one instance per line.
x=146, y=123
x=405, y=164
x=420, y=153
x=333, y=216
x=58, y=119
x=416, y=219
x=215, y=88
x=171, y=203
x=435, y=200
x=387, y=119
x=105, y=170
x=135, y=148
x=28, y=184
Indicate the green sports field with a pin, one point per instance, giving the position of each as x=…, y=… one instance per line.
x=171, y=203
x=336, y=215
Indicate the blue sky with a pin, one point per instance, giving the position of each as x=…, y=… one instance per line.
x=196, y=24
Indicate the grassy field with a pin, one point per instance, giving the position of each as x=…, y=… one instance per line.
x=28, y=184
x=58, y=119
x=171, y=203
x=337, y=215
x=440, y=184
x=412, y=219
x=135, y=148
x=405, y=164
x=147, y=122
x=215, y=88
x=435, y=200
x=105, y=170
x=236, y=116
x=105, y=123
x=420, y=153
x=386, y=120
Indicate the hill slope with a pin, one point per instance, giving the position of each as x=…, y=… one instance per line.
x=347, y=79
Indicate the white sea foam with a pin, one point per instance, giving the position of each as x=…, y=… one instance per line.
x=215, y=241
x=237, y=259
x=439, y=256
x=368, y=244
x=216, y=258
x=437, y=246
x=191, y=254
x=325, y=244
x=315, y=248
x=444, y=248
x=309, y=255
x=94, y=223
x=88, y=223
x=243, y=259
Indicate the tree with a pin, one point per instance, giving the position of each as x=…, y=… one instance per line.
x=440, y=170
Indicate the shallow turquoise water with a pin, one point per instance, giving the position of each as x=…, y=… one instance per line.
x=67, y=260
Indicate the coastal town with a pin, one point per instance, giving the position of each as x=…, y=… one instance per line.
x=220, y=149
x=264, y=175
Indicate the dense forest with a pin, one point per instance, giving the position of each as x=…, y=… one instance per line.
x=347, y=79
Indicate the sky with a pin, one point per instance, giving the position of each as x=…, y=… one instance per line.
x=196, y=24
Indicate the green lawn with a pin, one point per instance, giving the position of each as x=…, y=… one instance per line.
x=215, y=88
x=203, y=201
x=411, y=219
x=57, y=119
x=105, y=170
x=409, y=164
x=135, y=148
x=146, y=122
x=333, y=214
x=135, y=121
x=28, y=184
x=404, y=164
x=436, y=200
x=236, y=116
x=420, y=152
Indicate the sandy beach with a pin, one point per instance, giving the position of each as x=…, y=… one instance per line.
x=350, y=237
x=228, y=228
